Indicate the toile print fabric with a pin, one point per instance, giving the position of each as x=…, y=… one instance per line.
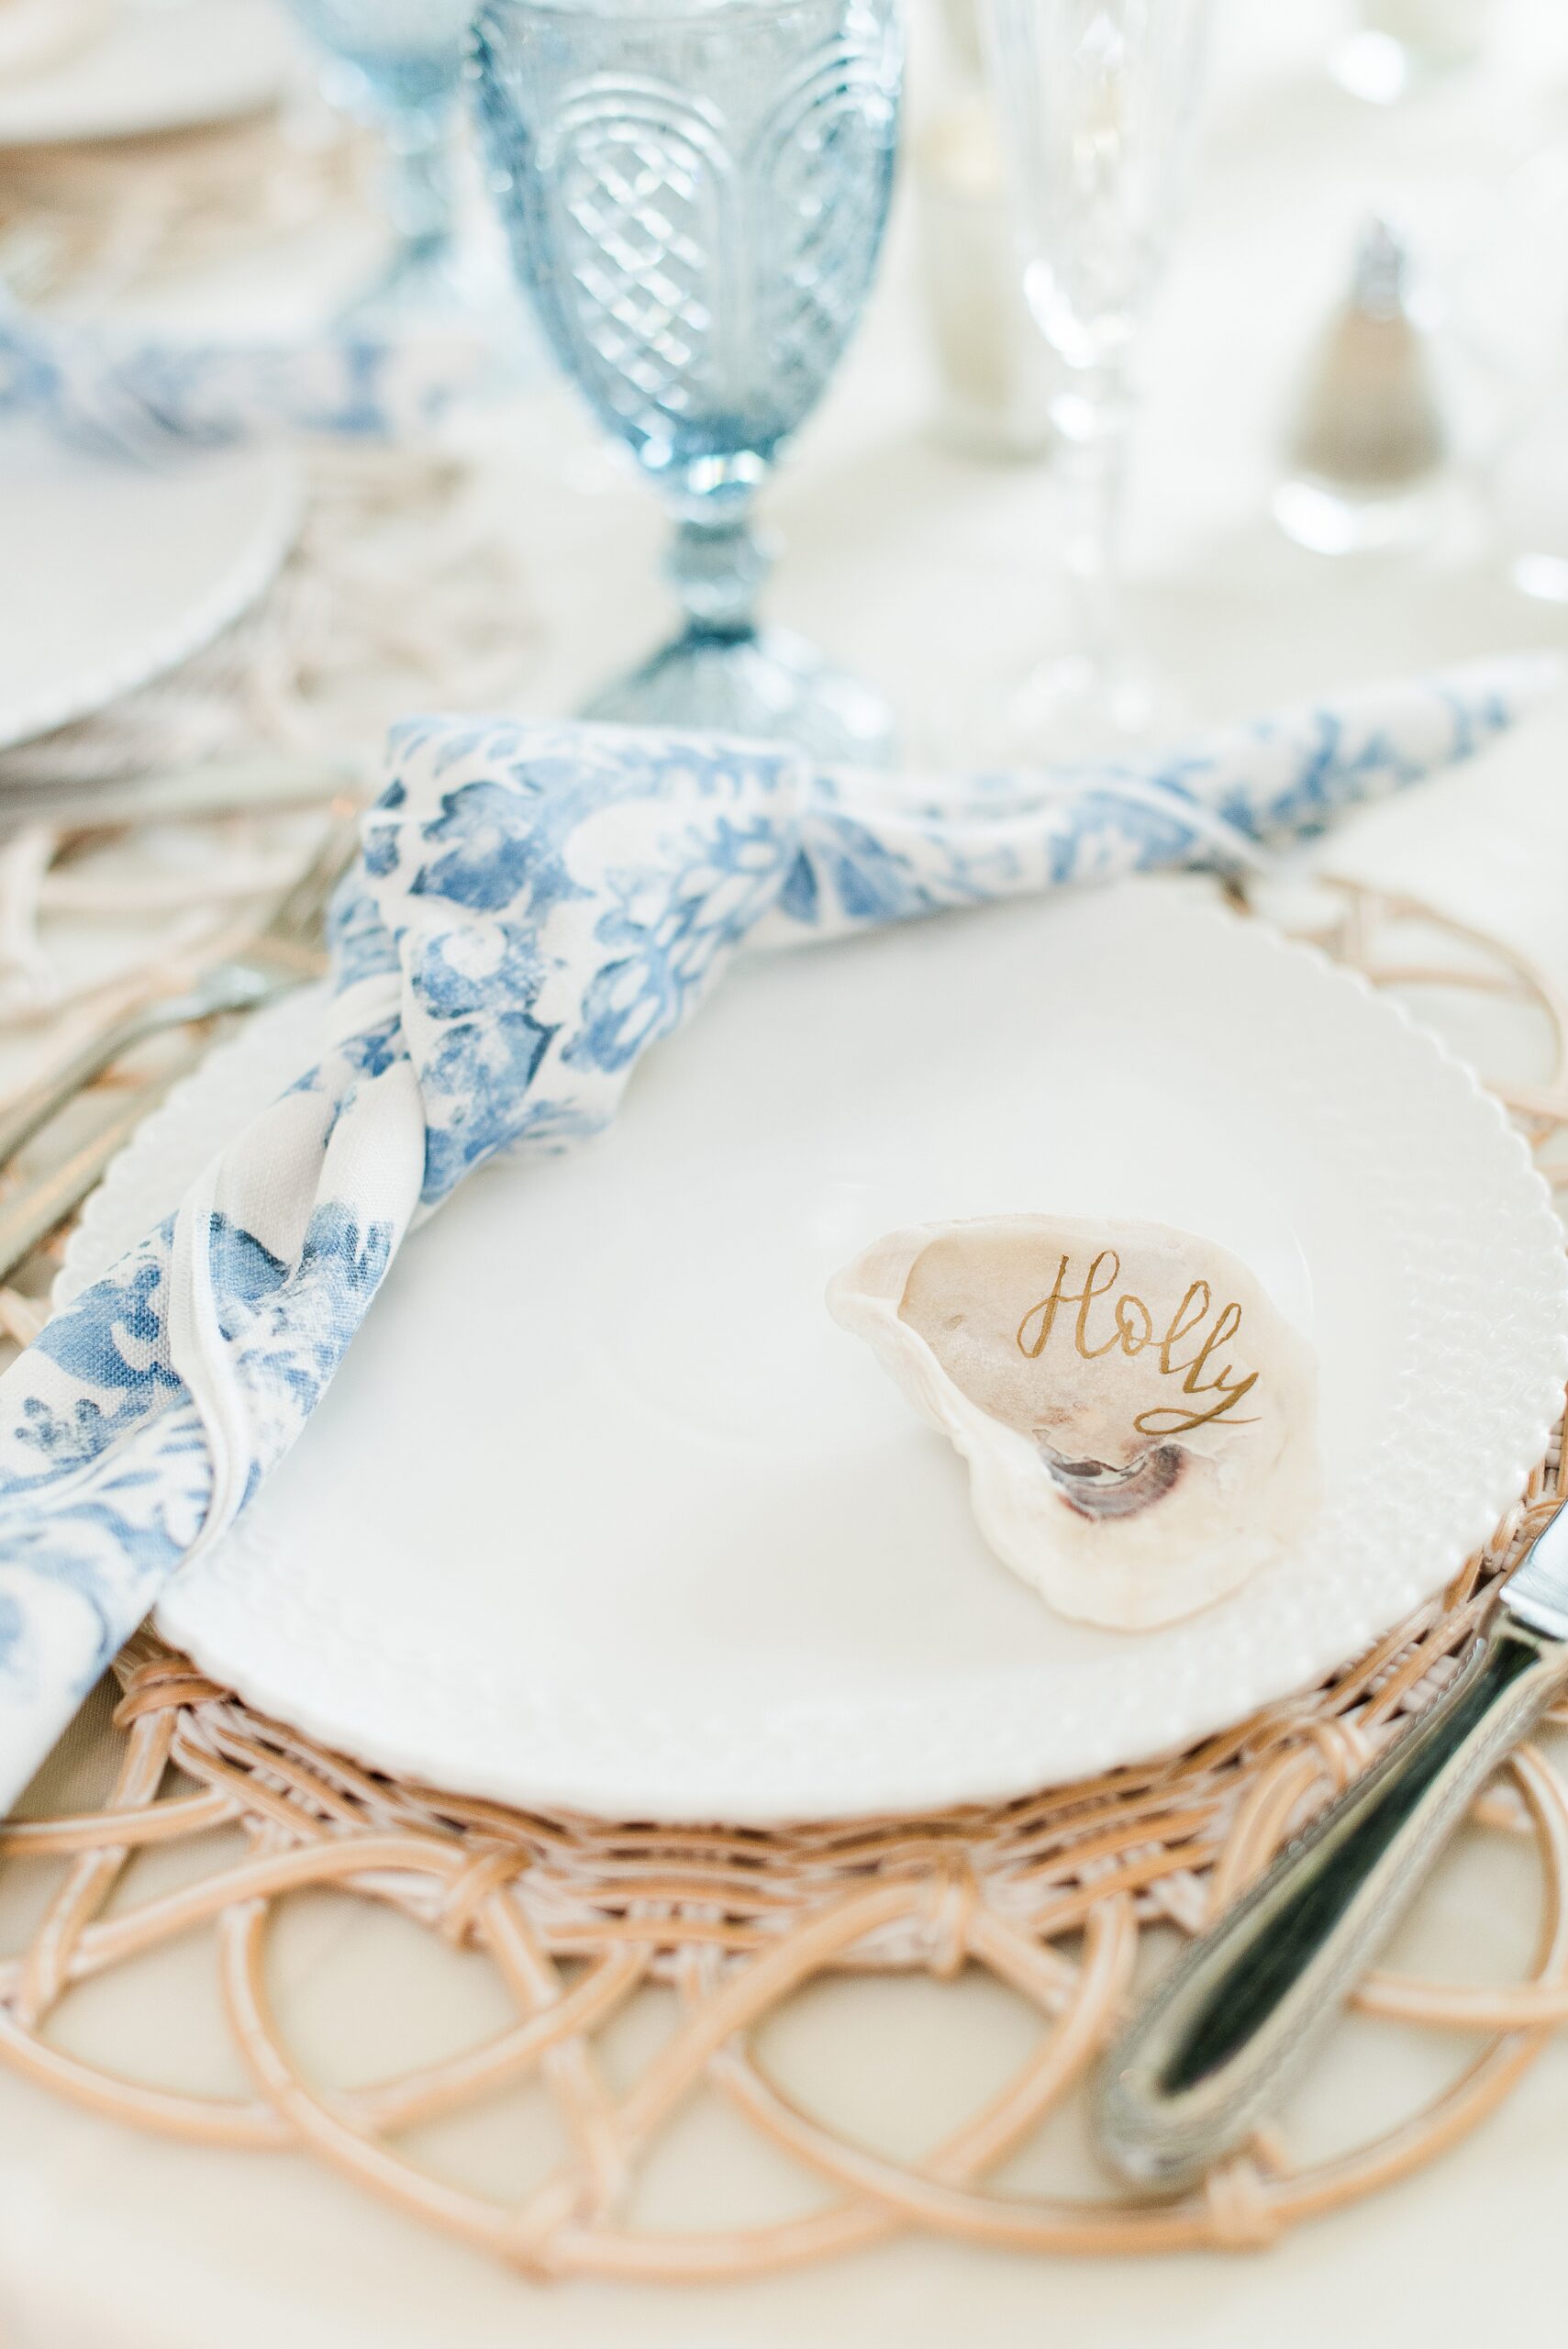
x=138, y=397
x=535, y=906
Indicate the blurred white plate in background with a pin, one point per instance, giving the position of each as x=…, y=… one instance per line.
x=116, y=571
x=151, y=65
x=603, y=1510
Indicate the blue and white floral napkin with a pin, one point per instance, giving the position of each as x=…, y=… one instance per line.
x=537, y=905
x=140, y=395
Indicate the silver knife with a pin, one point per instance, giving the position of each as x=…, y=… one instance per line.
x=1241, y=2012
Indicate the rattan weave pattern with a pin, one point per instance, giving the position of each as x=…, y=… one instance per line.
x=1052, y=1893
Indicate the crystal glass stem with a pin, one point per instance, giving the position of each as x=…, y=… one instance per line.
x=420, y=185
x=695, y=196
x=1098, y=103
x=717, y=564
x=1092, y=416
x=398, y=65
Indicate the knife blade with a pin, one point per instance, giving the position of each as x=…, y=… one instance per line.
x=1239, y=2014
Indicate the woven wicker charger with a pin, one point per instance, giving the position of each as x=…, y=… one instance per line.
x=579, y=1917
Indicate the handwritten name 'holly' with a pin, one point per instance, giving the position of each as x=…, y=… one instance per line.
x=1133, y=1329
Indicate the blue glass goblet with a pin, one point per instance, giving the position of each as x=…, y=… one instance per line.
x=399, y=64
x=694, y=196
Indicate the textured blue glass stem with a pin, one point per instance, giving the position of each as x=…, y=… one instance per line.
x=695, y=201
x=419, y=183
x=399, y=64
x=716, y=565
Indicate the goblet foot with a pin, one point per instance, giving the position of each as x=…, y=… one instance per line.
x=768, y=684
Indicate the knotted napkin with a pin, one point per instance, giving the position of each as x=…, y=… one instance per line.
x=535, y=906
x=141, y=396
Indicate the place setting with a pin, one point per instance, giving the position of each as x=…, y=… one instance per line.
x=797, y=1325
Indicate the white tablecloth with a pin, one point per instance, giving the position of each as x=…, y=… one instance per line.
x=929, y=572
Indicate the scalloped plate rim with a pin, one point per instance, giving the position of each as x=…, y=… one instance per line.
x=272, y=478
x=1194, y=1706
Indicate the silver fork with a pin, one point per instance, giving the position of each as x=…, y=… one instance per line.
x=285, y=952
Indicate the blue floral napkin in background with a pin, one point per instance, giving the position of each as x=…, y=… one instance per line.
x=141, y=396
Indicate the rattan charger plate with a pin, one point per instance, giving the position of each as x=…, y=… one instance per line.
x=580, y=1919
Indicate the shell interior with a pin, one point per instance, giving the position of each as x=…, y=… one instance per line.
x=1138, y=1417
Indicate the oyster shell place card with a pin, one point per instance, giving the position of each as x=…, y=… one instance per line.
x=1138, y=1418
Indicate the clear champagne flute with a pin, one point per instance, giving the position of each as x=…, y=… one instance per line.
x=1097, y=103
x=694, y=196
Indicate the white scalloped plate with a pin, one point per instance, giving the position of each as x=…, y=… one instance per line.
x=603, y=1510
x=117, y=571
x=135, y=67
